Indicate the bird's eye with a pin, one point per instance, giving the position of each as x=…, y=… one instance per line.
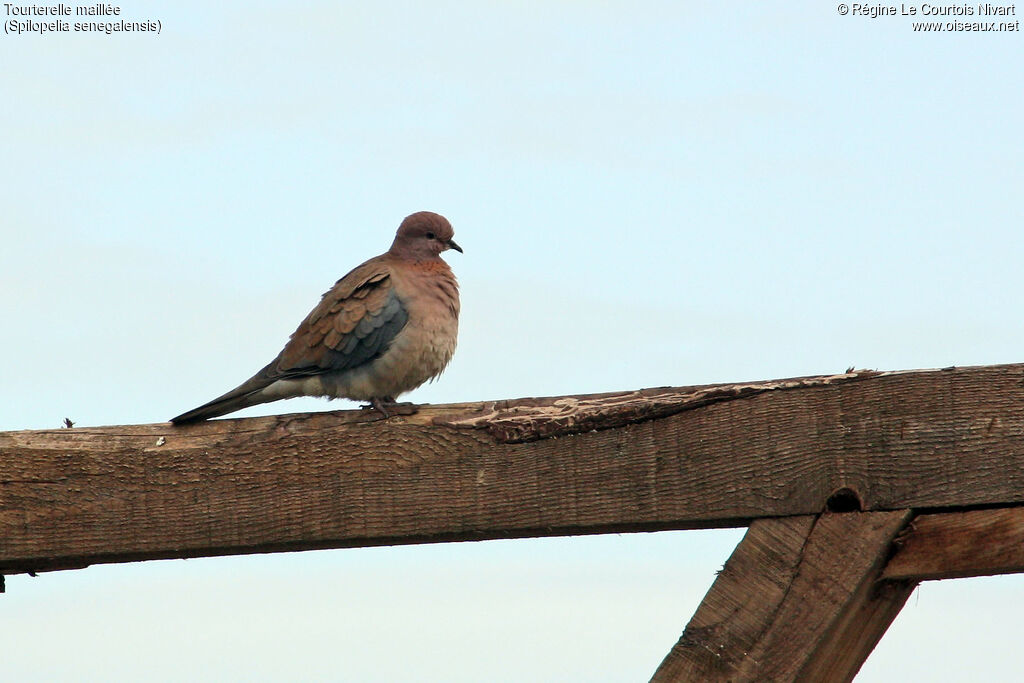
x=431, y=236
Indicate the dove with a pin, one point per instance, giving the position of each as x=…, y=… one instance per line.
x=384, y=329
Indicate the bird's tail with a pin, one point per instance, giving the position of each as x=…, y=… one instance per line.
x=248, y=394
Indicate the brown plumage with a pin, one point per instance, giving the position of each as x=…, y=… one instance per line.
x=382, y=330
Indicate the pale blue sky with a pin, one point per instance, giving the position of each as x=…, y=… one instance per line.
x=648, y=194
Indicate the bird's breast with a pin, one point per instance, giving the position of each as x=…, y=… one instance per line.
x=424, y=346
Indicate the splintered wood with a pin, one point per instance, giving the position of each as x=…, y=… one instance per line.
x=531, y=419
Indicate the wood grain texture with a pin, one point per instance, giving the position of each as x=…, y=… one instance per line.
x=738, y=608
x=673, y=458
x=797, y=601
x=856, y=632
x=953, y=545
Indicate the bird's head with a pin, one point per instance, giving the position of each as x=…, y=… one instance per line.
x=424, y=235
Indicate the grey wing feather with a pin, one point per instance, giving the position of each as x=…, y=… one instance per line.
x=370, y=338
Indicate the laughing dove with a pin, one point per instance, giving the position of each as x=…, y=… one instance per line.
x=382, y=330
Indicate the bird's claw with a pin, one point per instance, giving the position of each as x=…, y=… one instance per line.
x=380, y=403
x=388, y=407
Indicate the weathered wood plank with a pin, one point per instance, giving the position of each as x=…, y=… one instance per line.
x=797, y=601
x=832, y=615
x=637, y=461
x=739, y=606
x=857, y=631
x=951, y=545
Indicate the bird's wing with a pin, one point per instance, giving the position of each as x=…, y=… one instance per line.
x=354, y=323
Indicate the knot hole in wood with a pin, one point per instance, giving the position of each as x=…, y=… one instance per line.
x=844, y=499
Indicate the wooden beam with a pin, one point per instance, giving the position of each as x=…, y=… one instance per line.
x=952, y=545
x=739, y=606
x=797, y=601
x=673, y=458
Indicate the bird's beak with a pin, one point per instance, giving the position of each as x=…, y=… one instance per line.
x=452, y=245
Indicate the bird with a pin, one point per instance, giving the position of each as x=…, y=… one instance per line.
x=382, y=330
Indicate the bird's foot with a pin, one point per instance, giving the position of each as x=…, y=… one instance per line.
x=387, y=407
x=382, y=404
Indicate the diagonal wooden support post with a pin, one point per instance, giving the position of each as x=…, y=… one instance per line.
x=798, y=600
